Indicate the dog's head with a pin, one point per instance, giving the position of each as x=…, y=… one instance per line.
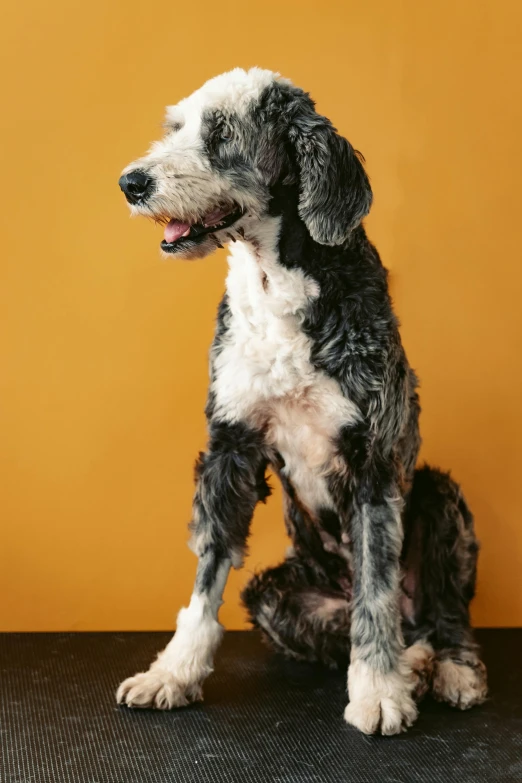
x=227, y=147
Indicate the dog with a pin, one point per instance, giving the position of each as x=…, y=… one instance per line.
x=308, y=376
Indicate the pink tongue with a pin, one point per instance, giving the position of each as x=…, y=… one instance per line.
x=175, y=229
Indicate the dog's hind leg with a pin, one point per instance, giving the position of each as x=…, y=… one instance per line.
x=230, y=480
x=439, y=525
x=301, y=616
x=299, y=613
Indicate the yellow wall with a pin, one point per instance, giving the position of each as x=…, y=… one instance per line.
x=103, y=357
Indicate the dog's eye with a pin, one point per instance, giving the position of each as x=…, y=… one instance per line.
x=219, y=136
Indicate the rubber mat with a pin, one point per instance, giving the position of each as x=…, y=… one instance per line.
x=264, y=719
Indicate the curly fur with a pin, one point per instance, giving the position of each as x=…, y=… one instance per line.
x=308, y=376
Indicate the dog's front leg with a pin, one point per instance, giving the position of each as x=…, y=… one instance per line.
x=380, y=681
x=230, y=481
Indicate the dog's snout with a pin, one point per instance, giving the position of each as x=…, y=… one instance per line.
x=136, y=185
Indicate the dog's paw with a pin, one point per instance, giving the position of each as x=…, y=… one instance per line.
x=387, y=715
x=461, y=685
x=420, y=657
x=157, y=688
x=380, y=702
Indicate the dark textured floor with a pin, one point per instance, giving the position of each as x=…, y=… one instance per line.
x=264, y=719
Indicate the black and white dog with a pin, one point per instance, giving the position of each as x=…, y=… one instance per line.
x=307, y=376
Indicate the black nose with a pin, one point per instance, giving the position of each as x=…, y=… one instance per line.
x=136, y=185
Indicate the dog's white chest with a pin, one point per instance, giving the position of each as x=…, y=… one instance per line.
x=264, y=377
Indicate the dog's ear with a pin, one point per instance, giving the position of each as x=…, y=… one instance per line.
x=296, y=144
x=334, y=193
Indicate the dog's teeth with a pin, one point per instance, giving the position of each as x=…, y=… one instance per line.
x=187, y=232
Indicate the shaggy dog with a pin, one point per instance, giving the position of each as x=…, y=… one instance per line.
x=308, y=377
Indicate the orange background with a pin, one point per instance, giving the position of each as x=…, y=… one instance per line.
x=104, y=345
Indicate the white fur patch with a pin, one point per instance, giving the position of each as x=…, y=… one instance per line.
x=263, y=372
x=234, y=91
x=380, y=701
x=458, y=684
x=176, y=676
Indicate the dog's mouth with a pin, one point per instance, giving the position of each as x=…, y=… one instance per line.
x=180, y=235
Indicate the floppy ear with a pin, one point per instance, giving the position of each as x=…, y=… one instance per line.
x=334, y=193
